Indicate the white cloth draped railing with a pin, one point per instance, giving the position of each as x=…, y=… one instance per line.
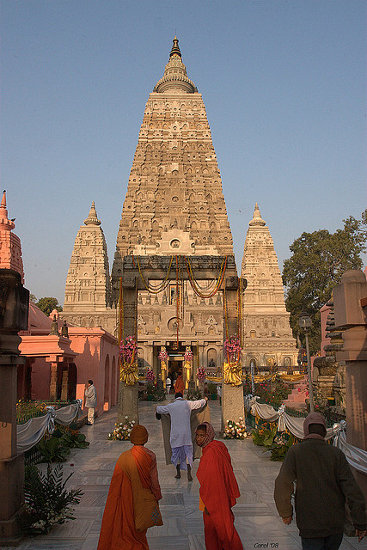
x=30, y=433
x=355, y=456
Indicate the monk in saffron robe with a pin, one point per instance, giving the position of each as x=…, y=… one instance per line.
x=218, y=491
x=135, y=468
x=179, y=384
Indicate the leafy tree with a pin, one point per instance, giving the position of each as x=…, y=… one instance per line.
x=48, y=304
x=33, y=298
x=317, y=264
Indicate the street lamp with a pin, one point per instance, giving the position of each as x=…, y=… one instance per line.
x=305, y=323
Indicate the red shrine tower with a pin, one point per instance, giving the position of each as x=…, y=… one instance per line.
x=10, y=247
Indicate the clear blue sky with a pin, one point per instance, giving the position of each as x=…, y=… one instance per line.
x=284, y=84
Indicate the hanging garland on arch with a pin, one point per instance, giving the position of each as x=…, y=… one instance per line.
x=162, y=285
x=195, y=284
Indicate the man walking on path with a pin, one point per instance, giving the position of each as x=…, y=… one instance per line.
x=324, y=482
x=132, y=501
x=180, y=433
x=90, y=395
x=218, y=491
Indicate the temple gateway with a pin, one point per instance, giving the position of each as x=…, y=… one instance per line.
x=174, y=208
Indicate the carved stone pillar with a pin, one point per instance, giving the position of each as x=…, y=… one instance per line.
x=14, y=299
x=53, y=380
x=64, y=382
x=232, y=396
x=128, y=395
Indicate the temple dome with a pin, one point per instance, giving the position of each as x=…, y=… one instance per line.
x=92, y=216
x=257, y=219
x=175, y=77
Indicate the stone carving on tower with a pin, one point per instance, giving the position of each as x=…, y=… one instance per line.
x=88, y=287
x=268, y=337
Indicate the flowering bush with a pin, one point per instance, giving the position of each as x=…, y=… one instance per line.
x=47, y=502
x=235, y=430
x=232, y=348
x=281, y=444
x=128, y=349
x=272, y=392
x=122, y=430
x=163, y=356
x=264, y=434
x=201, y=373
x=150, y=375
x=188, y=355
x=29, y=409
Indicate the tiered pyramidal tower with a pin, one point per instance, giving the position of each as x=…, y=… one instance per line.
x=268, y=337
x=174, y=202
x=174, y=205
x=88, y=287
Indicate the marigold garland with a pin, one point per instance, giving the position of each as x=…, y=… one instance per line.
x=161, y=286
x=195, y=285
x=128, y=367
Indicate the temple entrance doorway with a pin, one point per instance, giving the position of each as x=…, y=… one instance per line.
x=176, y=362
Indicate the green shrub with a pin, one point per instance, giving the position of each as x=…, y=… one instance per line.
x=152, y=393
x=264, y=436
x=47, y=502
x=57, y=447
x=281, y=445
x=53, y=450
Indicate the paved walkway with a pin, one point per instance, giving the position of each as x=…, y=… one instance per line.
x=257, y=521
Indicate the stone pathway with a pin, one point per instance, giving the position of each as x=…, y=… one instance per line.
x=257, y=520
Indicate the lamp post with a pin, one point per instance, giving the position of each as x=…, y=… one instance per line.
x=305, y=323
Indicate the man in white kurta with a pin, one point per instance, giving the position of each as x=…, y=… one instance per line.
x=180, y=435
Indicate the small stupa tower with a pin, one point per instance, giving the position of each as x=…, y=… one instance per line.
x=88, y=287
x=268, y=337
x=10, y=246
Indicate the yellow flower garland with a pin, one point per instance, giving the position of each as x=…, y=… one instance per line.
x=129, y=373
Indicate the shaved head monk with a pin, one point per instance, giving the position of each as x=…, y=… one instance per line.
x=218, y=491
x=132, y=501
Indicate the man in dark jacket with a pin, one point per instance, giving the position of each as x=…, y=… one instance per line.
x=324, y=482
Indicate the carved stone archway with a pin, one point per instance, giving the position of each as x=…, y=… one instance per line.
x=156, y=268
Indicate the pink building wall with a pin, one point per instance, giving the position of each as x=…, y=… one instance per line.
x=93, y=350
x=97, y=359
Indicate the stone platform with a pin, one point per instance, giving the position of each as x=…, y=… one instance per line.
x=257, y=520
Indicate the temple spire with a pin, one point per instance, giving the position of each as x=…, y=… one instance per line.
x=175, y=77
x=257, y=219
x=92, y=216
x=11, y=248
x=175, y=48
x=6, y=224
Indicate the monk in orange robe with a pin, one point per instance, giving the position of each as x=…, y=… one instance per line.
x=179, y=384
x=218, y=491
x=136, y=468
